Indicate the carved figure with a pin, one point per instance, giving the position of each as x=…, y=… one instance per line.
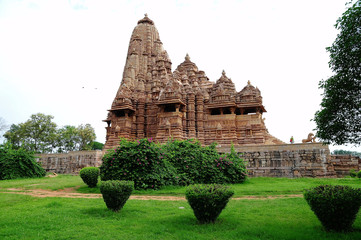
x=310, y=138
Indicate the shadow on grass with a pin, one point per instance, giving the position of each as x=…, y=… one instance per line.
x=104, y=212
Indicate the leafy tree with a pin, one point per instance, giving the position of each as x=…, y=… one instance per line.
x=67, y=139
x=339, y=120
x=345, y=152
x=37, y=134
x=71, y=138
x=97, y=145
x=41, y=135
x=86, y=136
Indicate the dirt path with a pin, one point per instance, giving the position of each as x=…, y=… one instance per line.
x=70, y=193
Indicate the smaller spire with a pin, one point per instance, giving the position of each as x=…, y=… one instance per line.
x=223, y=73
x=146, y=20
x=187, y=58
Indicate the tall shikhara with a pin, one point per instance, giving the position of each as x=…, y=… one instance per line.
x=154, y=102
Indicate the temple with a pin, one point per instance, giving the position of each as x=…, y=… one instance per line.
x=154, y=102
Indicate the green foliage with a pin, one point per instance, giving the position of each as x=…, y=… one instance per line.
x=358, y=174
x=177, y=162
x=197, y=164
x=140, y=161
x=345, y=152
x=86, y=135
x=96, y=145
x=67, y=139
x=335, y=206
x=37, y=134
x=208, y=201
x=353, y=173
x=116, y=193
x=18, y=163
x=339, y=120
x=90, y=176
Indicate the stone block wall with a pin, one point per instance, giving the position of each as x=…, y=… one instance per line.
x=71, y=162
x=286, y=160
x=344, y=163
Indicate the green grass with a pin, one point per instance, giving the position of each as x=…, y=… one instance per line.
x=261, y=186
x=25, y=217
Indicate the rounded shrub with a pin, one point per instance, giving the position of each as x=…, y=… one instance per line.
x=358, y=174
x=116, y=193
x=90, y=176
x=141, y=161
x=208, y=200
x=18, y=163
x=335, y=206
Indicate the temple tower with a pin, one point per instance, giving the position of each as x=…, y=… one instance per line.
x=152, y=101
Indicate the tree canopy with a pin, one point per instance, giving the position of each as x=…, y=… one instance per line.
x=41, y=135
x=37, y=134
x=339, y=119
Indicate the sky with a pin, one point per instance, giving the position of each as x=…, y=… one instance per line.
x=65, y=58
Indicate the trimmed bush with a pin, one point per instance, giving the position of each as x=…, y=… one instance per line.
x=335, y=206
x=116, y=193
x=359, y=174
x=18, y=163
x=208, y=200
x=139, y=161
x=90, y=176
x=353, y=173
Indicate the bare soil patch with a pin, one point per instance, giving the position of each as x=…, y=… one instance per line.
x=70, y=193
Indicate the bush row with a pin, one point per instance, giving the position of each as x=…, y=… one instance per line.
x=335, y=206
x=207, y=201
x=150, y=165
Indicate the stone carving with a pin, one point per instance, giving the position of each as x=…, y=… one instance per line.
x=152, y=101
x=310, y=138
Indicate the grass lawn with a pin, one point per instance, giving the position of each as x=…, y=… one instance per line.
x=260, y=186
x=26, y=217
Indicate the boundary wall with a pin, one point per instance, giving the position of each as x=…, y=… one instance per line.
x=71, y=162
x=286, y=160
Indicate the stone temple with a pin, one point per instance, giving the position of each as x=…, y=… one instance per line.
x=154, y=102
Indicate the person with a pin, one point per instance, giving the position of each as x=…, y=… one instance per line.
x=292, y=141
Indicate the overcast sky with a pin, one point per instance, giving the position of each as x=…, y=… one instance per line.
x=65, y=58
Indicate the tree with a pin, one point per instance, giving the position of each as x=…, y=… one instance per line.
x=41, y=135
x=87, y=136
x=71, y=138
x=37, y=134
x=97, y=145
x=339, y=120
x=68, y=139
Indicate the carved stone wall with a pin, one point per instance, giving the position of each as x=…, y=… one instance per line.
x=70, y=163
x=287, y=160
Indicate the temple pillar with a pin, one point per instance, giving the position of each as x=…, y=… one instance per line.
x=191, y=116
